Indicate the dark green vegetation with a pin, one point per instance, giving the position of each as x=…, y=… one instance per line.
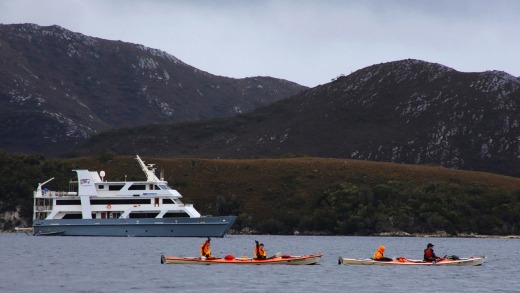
x=309, y=195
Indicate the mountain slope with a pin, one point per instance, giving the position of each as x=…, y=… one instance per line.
x=59, y=87
x=407, y=111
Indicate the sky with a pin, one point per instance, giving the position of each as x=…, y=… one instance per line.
x=307, y=42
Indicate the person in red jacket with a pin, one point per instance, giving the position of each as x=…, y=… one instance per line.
x=429, y=255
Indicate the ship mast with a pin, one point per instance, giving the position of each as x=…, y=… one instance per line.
x=39, y=189
x=149, y=170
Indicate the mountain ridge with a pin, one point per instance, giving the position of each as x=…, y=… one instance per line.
x=62, y=88
x=65, y=87
x=407, y=111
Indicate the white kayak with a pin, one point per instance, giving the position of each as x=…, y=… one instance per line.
x=469, y=261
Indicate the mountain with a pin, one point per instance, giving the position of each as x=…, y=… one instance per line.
x=58, y=88
x=407, y=111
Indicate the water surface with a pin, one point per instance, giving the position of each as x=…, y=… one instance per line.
x=132, y=264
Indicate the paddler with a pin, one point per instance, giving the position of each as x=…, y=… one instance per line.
x=429, y=255
x=379, y=254
x=259, y=251
x=205, y=250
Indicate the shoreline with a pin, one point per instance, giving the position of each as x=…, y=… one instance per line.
x=384, y=234
x=442, y=234
x=456, y=236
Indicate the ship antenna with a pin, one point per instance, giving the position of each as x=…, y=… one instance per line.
x=148, y=170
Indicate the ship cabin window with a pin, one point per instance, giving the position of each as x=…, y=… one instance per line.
x=164, y=187
x=140, y=215
x=101, y=186
x=115, y=215
x=115, y=187
x=68, y=202
x=176, y=215
x=72, y=216
x=118, y=202
x=167, y=201
x=137, y=187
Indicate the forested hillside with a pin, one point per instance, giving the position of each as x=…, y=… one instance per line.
x=308, y=195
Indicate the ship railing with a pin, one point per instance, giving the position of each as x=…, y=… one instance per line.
x=43, y=208
x=58, y=193
x=183, y=205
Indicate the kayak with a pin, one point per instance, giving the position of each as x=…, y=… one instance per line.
x=469, y=261
x=279, y=259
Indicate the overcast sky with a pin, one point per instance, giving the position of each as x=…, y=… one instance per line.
x=308, y=42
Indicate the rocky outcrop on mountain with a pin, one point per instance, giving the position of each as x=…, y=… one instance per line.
x=407, y=111
x=58, y=88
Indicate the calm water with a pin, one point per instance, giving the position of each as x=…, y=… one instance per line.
x=104, y=264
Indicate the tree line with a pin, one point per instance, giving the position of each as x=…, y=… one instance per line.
x=341, y=208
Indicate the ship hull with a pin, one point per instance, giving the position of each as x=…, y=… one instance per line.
x=138, y=227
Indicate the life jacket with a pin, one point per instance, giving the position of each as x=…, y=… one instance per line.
x=401, y=259
x=204, y=249
x=260, y=252
x=429, y=255
x=379, y=253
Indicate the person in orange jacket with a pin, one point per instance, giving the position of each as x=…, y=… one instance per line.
x=259, y=251
x=379, y=254
x=205, y=249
